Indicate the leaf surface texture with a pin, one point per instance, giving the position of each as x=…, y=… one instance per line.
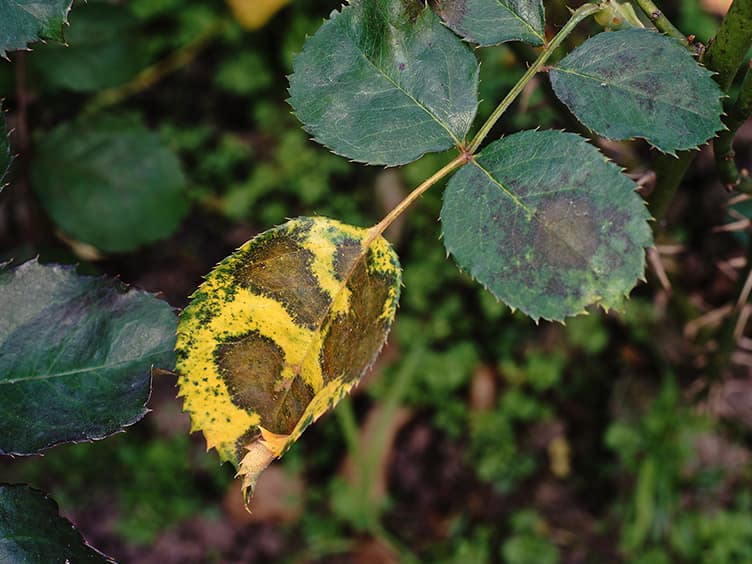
x=639, y=83
x=543, y=221
x=75, y=356
x=32, y=530
x=384, y=82
x=490, y=22
x=25, y=21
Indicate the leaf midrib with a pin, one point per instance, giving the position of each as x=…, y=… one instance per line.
x=82, y=370
x=533, y=215
x=325, y=317
x=382, y=72
x=523, y=20
x=630, y=90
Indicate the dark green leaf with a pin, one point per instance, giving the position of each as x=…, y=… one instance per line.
x=110, y=182
x=5, y=156
x=490, y=22
x=25, y=21
x=638, y=83
x=33, y=532
x=543, y=221
x=75, y=356
x=103, y=50
x=384, y=82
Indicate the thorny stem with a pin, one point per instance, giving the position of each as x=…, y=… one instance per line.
x=153, y=74
x=577, y=16
x=723, y=56
x=661, y=21
x=723, y=149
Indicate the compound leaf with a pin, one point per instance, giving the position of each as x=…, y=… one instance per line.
x=383, y=82
x=25, y=21
x=639, y=83
x=5, y=156
x=254, y=14
x=75, y=356
x=32, y=530
x=103, y=50
x=110, y=182
x=490, y=22
x=543, y=221
x=279, y=332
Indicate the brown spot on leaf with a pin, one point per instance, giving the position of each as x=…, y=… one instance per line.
x=566, y=231
x=280, y=268
x=251, y=367
x=346, y=254
x=353, y=340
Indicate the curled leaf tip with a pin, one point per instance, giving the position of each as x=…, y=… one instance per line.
x=257, y=459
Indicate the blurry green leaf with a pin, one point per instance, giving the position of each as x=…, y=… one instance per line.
x=528, y=545
x=383, y=82
x=243, y=73
x=639, y=83
x=103, y=50
x=25, y=21
x=5, y=156
x=32, y=530
x=110, y=182
x=490, y=22
x=543, y=221
x=75, y=356
x=493, y=451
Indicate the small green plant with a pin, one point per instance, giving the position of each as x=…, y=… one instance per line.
x=283, y=329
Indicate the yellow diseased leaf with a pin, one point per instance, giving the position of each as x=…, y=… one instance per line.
x=279, y=332
x=253, y=14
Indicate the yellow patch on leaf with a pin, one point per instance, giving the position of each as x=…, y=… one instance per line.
x=279, y=332
x=254, y=14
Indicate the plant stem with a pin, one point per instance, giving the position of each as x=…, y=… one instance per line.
x=577, y=16
x=153, y=74
x=400, y=208
x=723, y=147
x=723, y=56
x=661, y=21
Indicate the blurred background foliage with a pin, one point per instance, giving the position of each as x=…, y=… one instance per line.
x=479, y=436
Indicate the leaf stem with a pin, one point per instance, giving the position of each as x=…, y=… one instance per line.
x=661, y=21
x=400, y=208
x=577, y=16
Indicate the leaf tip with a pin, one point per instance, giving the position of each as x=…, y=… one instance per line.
x=255, y=461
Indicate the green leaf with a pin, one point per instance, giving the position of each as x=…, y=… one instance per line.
x=25, y=21
x=490, y=22
x=280, y=332
x=639, y=83
x=5, y=156
x=384, y=82
x=75, y=356
x=103, y=50
x=543, y=221
x=32, y=530
x=110, y=182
